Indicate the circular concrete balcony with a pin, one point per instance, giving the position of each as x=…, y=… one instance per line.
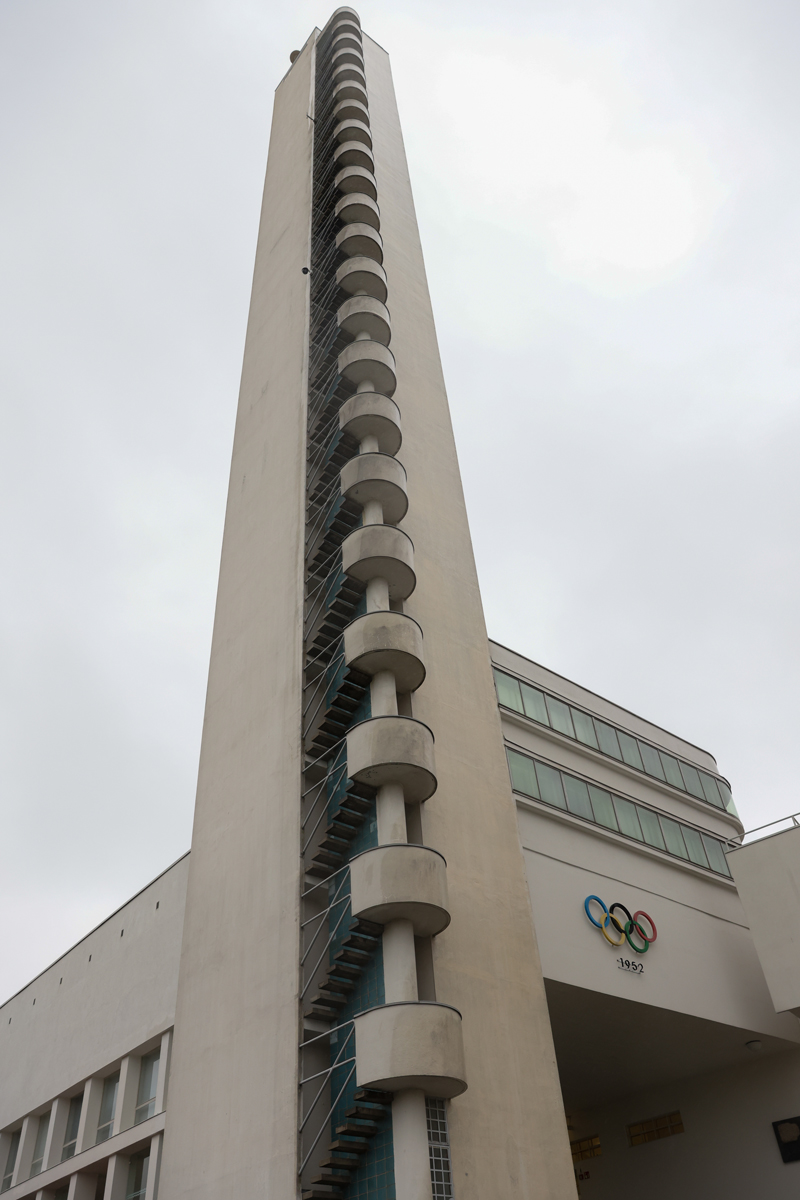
x=376, y=477
x=381, y=552
x=360, y=241
x=349, y=56
x=386, y=641
x=369, y=362
x=365, y=314
x=355, y=206
x=345, y=37
x=369, y=414
x=353, y=131
x=345, y=71
x=401, y=883
x=358, y=180
x=345, y=13
x=350, y=90
x=346, y=24
x=354, y=154
x=363, y=275
x=351, y=110
x=393, y=750
x=411, y=1046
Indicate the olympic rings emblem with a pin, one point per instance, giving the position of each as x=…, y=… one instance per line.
x=609, y=923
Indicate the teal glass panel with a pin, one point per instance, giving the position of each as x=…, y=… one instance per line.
x=523, y=774
x=692, y=781
x=584, y=728
x=710, y=790
x=651, y=761
x=694, y=844
x=108, y=1106
x=11, y=1161
x=508, y=691
x=559, y=716
x=672, y=770
x=603, y=807
x=577, y=797
x=137, y=1176
x=716, y=855
x=673, y=837
x=651, y=828
x=630, y=750
x=535, y=707
x=607, y=739
x=727, y=798
x=628, y=820
x=550, y=788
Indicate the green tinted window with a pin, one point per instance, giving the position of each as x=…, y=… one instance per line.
x=672, y=770
x=603, y=807
x=550, y=788
x=584, y=728
x=716, y=855
x=559, y=716
x=534, y=703
x=523, y=774
x=692, y=780
x=607, y=739
x=577, y=797
x=630, y=750
x=628, y=820
x=651, y=828
x=651, y=761
x=673, y=837
x=694, y=844
x=710, y=790
x=508, y=691
x=727, y=798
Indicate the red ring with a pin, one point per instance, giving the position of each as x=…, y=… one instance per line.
x=647, y=917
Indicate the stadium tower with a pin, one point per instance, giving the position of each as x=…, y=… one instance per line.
x=360, y=1007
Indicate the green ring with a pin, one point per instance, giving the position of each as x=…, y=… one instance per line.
x=630, y=925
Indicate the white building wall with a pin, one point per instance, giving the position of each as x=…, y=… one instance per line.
x=112, y=992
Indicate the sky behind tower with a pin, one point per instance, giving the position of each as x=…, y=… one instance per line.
x=607, y=201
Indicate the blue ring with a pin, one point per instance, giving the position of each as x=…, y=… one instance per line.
x=597, y=924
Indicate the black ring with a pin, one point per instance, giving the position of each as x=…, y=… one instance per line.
x=620, y=927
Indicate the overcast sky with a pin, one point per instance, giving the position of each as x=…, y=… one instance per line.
x=608, y=200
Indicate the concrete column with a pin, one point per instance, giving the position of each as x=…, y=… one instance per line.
x=126, y=1093
x=90, y=1114
x=399, y=962
x=373, y=511
x=27, y=1141
x=369, y=445
x=82, y=1186
x=391, y=814
x=163, y=1071
x=383, y=694
x=117, y=1177
x=377, y=595
x=154, y=1167
x=55, y=1133
x=412, y=1172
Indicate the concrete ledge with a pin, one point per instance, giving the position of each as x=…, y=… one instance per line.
x=386, y=641
x=353, y=131
x=411, y=1046
x=401, y=882
x=351, y=110
x=344, y=71
x=347, y=54
x=366, y=314
x=361, y=274
x=354, y=154
x=369, y=414
x=376, y=477
x=393, y=750
x=369, y=361
x=350, y=89
x=360, y=240
x=356, y=179
x=381, y=552
x=355, y=206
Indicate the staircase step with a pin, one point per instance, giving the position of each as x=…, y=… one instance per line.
x=322, y=1191
x=335, y=1175
x=320, y=1014
x=349, y=954
x=341, y=1158
x=354, y=1126
x=368, y=1112
x=360, y=941
x=351, y=1145
x=330, y=857
x=336, y=844
x=329, y=1000
x=371, y=929
x=337, y=983
x=343, y=967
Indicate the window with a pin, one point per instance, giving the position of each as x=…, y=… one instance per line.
x=439, y=1149
x=591, y=731
x=137, y=1176
x=532, y=778
x=73, y=1121
x=108, y=1107
x=39, y=1145
x=148, y=1082
x=585, y=1148
x=11, y=1161
x=655, y=1129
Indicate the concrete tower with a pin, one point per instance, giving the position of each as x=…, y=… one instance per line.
x=360, y=1007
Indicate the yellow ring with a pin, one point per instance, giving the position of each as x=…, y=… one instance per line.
x=606, y=918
